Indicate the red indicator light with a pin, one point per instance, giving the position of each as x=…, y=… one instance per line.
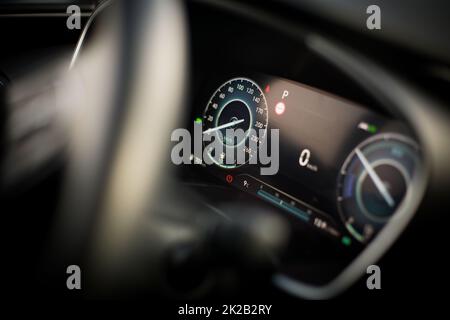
x=229, y=178
x=280, y=108
x=267, y=89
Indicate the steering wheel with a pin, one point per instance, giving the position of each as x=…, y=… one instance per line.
x=127, y=92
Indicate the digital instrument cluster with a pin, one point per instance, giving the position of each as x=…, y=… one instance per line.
x=342, y=168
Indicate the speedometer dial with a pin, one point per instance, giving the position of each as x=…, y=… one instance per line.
x=237, y=104
x=375, y=182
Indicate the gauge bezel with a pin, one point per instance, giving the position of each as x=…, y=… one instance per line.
x=262, y=138
x=409, y=192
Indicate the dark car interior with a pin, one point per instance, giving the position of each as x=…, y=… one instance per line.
x=357, y=120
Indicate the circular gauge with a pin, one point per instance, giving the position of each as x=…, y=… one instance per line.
x=375, y=182
x=239, y=104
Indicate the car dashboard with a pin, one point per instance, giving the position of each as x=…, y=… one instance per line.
x=320, y=183
x=336, y=142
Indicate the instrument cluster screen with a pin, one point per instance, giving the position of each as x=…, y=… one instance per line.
x=335, y=165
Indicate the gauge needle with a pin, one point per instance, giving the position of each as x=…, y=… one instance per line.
x=375, y=178
x=226, y=125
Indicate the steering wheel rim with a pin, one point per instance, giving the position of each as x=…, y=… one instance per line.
x=131, y=83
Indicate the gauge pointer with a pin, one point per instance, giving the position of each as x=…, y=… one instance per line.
x=375, y=178
x=226, y=125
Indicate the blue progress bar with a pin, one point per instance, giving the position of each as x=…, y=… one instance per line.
x=283, y=205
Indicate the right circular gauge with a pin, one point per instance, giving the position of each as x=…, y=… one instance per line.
x=375, y=182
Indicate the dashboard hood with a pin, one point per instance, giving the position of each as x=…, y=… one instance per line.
x=414, y=24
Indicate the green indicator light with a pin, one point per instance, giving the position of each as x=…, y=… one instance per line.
x=198, y=120
x=346, y=241
x=372, y=128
